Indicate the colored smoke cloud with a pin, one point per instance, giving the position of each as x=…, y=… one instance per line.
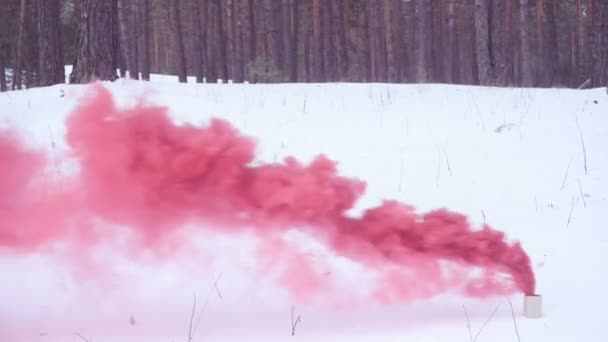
x=137, y=169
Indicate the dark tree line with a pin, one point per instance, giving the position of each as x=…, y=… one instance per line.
x=488, y=42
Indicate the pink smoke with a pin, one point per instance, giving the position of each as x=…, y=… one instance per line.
x=139, y=170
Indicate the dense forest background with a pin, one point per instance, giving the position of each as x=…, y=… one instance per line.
x=538, y=43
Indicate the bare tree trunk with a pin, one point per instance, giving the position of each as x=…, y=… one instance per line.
x=295, y=41
x=93, y=53
x=484, y=68
x=222, y=46
x=450, y=48
x=134, y=39
x=526, y=58
x=212, y=37
x=19, y=54
x=239, y=41
x=2, y=72
x=51, y=69
x=123, y=28
x=498, y=60
x=388, y=42
x=422, y=39
x=272, y=31
x=226, y=9
x=599, y=44
x=317, y=46
x=197, y=51
x=176, y=27
x=308, y=34
x=144, y=46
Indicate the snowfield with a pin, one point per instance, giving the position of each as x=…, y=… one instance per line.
x=529, y=162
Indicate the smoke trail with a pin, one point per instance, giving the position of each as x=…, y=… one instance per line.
x=138, y=169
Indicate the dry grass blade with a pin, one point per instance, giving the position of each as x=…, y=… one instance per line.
x=486, y=322
x=580, y=133
x=514, y=322
x=81, y=337
x=466, y=314
x=192, y=316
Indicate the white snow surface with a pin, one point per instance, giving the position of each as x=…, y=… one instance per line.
x=514, y=156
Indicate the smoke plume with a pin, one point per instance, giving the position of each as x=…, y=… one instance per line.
x=139, y=170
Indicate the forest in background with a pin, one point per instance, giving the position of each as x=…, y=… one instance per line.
x=539, y=43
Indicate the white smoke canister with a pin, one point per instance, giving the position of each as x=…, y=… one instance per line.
x=533, y=306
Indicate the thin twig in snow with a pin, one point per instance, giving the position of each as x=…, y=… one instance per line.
x=447, y=161
x=466, y=314
x=580, y=133
x=192, y=316
x=484, y=216
x=486, y=322
x=80, y=336
x=514, y=322
x=566, y=175
x=580, y=188
x=217, y=287
x=294, y=324
x=200, y=314
x=570, y=214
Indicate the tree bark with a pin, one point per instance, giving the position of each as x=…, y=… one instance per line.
x=526, y=58
x=293, y=73
x=599, y=44
x=19, y=52
x=391, y=75
x=450, y=48
x=3, y=87
x=176, y=26
x=51, y=69
x=93, y=52
x=484, y=68
x=123, y=28
x=422, y=39
x=144, y=40
x=228, y=25
x=498, y=60
x=197, y=46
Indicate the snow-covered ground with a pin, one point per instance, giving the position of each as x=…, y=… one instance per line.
x=511, y=157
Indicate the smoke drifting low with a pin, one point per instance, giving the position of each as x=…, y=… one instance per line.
x=139, y=170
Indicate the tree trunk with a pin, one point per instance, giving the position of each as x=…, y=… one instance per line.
x=144, y=40
x=599, y=44
x=228, y=25
x=176, y=26
x=422, y=39
x=547, y=43
x=389, y=42
x=484, y=68
x=239, y=41
x=526, y=58
x=134, y=34
x=197, y=46
x=93, y=52
x=272, y=34
x=295, y=42
x=317, y=46
x=123, y=29
x=51, y=69
x=498, y=60
x=3, y=87
x=450, y=48
x=210, y=20
x=19, y=53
